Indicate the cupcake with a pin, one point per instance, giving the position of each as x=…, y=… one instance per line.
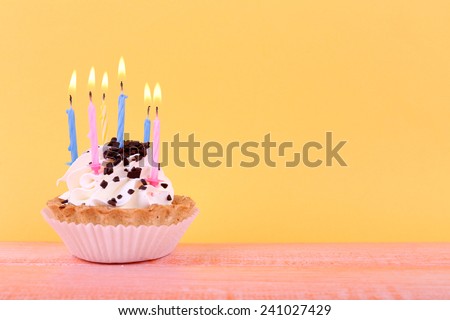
x=117, y=215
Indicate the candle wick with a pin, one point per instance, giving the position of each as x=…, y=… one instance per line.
x=156, y=111
x=70, y=100
x=121, y=85
x=104, y=96
x=90, y=96
x=148, y=111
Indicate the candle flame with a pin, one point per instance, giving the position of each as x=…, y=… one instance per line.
x=121, y=71
x=91, y=81
x=73, y=82
x=147, y=95
x=157, y=95
x=105, y=81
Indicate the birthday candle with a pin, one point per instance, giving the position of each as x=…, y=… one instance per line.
x=147, y=122
x=122, y=97
x=104, y=119
x=156, y=139
x=147, y=125
x=95, y=165
x=73, y=148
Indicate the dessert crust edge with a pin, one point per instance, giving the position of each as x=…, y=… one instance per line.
x=182, y=207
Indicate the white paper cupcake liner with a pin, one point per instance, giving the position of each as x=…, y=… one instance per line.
x=119, y=244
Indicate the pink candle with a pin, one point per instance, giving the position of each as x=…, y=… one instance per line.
x=154, y=173
x=95, y=165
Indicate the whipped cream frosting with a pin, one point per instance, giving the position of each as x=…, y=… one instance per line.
x=123, y=186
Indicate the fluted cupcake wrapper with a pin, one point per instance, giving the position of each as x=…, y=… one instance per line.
x=119, y=244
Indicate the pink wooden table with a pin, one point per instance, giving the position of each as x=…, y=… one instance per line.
x=233, y=271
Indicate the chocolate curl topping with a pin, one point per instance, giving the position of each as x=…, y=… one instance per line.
x=115, y=154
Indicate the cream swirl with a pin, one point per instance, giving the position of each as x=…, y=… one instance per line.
x=125, y=187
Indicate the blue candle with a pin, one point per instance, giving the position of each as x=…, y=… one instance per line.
x=121, y=120
x=147, y=126
x=73, y=148
x=122, y=97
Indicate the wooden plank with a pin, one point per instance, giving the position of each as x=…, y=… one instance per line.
x=233, y=271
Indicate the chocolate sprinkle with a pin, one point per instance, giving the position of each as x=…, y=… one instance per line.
x=107, y=171
x=113, y=143
x=109, y=165
x=104, y=184
x=65, y=201
x=112, y=202
x=119, y=196
x=130, y=191
x=116, y=179
x=62, y=207
x=143, y=187
x=169, y=198
x=135, y=173
x=144, y=182
x=164, y=185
